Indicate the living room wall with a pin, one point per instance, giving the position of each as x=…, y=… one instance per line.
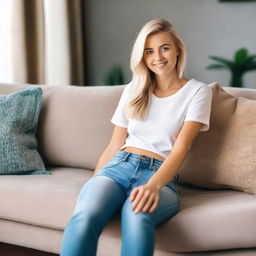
x=208, y=27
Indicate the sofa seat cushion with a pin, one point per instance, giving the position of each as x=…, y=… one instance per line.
x=208, y=220
x=42, y=200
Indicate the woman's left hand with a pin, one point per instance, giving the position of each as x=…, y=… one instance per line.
x=145, y=198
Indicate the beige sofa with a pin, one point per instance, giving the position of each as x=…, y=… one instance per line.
x=73, y=130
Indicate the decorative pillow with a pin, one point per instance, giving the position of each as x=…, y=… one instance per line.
x=19, y=114
x=225, y=156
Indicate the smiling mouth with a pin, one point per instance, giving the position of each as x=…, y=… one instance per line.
x=160, y=64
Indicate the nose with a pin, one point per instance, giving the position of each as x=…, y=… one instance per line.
x=158, y=55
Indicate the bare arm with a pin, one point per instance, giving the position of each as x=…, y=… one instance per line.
x=117, y=140
x=167, y=170
x=174, y=161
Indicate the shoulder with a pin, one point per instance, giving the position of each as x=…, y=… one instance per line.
x=201, y=88
x=130, y=89
x=127, y=88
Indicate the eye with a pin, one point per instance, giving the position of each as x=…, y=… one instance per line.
x=148, y=52
x=165, y=49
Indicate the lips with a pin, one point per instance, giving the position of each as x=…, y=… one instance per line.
x=160, y=64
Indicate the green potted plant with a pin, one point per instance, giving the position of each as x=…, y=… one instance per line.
x=114, y=76
x=242, y=63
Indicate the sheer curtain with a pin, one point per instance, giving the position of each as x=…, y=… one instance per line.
x=41, y=42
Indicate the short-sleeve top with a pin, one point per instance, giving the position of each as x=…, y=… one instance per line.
x=158, y=131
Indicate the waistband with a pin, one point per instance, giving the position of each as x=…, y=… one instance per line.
x=143, y=158
x=149, y=160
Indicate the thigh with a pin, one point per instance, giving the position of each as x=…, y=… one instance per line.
x=100, y=195
x=120, y=171
x=168, y=206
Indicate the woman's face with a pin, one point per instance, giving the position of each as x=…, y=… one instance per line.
x=160, y=54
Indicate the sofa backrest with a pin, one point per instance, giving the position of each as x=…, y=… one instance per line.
x=74, y=126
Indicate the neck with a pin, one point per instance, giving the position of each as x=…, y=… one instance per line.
x=165, y=83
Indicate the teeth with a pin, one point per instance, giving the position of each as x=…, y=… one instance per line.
x=160, y=65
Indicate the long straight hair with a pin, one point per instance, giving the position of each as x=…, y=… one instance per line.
x=143, y=78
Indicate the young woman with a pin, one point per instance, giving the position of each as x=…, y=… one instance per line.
x=158, y=116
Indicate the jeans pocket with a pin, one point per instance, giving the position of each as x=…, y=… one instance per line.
x=113, y=162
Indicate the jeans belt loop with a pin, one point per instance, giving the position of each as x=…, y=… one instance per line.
x=127, y=155
x=151, y=163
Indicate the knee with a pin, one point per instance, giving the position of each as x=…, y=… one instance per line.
x=135, y=221
x=88, y=215
x=85, y=223
x=138, y=231
x=80, y=235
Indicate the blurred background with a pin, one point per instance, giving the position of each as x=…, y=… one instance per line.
x=85, y=42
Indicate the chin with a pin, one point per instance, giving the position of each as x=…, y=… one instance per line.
x=163, y=73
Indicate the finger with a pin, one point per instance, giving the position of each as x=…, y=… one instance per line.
x=149, y=203
x=141, y=203
x=133, y=194
x=139, y=196
x=155, y=204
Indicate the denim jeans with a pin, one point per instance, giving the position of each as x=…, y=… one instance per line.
x=107, y=193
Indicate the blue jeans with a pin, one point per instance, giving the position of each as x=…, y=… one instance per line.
x=105, y=194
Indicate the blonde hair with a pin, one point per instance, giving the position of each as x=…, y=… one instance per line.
x=143, y=78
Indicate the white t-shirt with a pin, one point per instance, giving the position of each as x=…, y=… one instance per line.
x=159, y=130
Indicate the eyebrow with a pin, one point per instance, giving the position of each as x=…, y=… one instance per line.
x=159, y=47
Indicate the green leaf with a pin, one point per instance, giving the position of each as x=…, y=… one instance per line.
x=226, y=62
x=114, y=76
x=240, y=56
x=251, y=59
x=250, y=63
x=252, y=66
x=216, y=66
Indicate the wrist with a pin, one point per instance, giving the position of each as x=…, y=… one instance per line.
x=154, y=183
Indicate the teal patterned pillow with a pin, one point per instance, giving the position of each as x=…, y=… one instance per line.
x=19, y=113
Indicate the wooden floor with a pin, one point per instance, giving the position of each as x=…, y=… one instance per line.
x=13, y=250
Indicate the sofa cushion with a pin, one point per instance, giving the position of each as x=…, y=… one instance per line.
x=225, y=156
x=46, y=200
x=75, y=126
x=19, y=114
x=210, y=220
x=206, y=221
